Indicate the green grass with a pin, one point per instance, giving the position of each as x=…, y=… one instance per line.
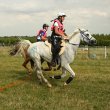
x=90, y=89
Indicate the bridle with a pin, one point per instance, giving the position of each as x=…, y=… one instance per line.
x=83, y=36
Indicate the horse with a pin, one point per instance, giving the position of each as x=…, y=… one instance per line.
x=21, y=48
x=39, y=50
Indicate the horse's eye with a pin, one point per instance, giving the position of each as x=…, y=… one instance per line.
x=87, y=34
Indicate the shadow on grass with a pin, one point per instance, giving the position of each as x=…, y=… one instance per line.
x=23, y=76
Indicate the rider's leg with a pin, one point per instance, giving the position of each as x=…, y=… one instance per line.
x=55, y=50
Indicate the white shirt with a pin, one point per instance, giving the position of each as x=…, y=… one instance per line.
x=56, y=24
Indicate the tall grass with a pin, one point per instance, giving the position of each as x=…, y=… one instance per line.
x=90, y=89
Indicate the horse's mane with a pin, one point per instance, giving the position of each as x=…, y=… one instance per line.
x=74, y=33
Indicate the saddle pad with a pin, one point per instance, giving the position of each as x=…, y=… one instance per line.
x=62, y=48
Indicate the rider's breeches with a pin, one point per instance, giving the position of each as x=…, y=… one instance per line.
x=56, y=46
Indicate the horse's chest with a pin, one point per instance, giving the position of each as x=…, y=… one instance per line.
x=68, y=56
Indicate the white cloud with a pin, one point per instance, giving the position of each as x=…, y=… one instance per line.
x=29, y=15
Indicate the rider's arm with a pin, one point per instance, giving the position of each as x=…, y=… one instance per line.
x=44, y=38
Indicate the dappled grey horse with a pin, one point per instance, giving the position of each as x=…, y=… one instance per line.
x=39, y=50
x=21, y=48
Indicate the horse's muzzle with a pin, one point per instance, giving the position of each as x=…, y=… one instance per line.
x=93, y=42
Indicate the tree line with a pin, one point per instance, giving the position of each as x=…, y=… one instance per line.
x=102, y=39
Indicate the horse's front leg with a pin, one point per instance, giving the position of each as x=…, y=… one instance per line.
x=69, y=69
x=39, y=71
x=25, y=66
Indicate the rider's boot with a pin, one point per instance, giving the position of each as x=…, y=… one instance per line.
x=54, y=57
x=53, y=62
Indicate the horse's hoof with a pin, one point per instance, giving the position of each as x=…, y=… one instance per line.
x=65, y=84
x=49, y=85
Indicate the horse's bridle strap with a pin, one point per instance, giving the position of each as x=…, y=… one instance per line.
x=72, y=43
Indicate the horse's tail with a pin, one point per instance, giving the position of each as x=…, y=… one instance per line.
x=14, y=50
x=21, y=46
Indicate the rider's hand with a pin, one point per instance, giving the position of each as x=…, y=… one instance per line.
x=65, y=38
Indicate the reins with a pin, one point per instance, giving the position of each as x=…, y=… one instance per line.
x=72, y=43
x=83, y=35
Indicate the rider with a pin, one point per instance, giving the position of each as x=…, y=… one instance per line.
x=58, y=33
x=42, y=34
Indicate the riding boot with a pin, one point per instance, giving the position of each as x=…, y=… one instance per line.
x=53, y=62
x=55, y=50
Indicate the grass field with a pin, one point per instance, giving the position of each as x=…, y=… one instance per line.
x=90, y=90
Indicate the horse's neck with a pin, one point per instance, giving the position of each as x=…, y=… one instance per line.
x=75, y=39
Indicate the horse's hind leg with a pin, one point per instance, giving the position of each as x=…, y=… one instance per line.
x=39, y=72
x=32, y=64
x=49, y=66
x=25, y=65
x=38, y=75
x=45, y=80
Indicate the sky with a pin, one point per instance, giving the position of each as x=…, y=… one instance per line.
x=26, y=17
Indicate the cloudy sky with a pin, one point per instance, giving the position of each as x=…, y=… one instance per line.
x=25, y=17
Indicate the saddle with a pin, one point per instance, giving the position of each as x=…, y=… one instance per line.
x=49, y=44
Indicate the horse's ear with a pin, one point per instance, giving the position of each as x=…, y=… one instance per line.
x=79, y=29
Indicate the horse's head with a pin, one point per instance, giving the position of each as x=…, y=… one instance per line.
x=87, y=37
x=19, y=46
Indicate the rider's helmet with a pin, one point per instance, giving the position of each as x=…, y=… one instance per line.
x=60, y=14
x=45, y=25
